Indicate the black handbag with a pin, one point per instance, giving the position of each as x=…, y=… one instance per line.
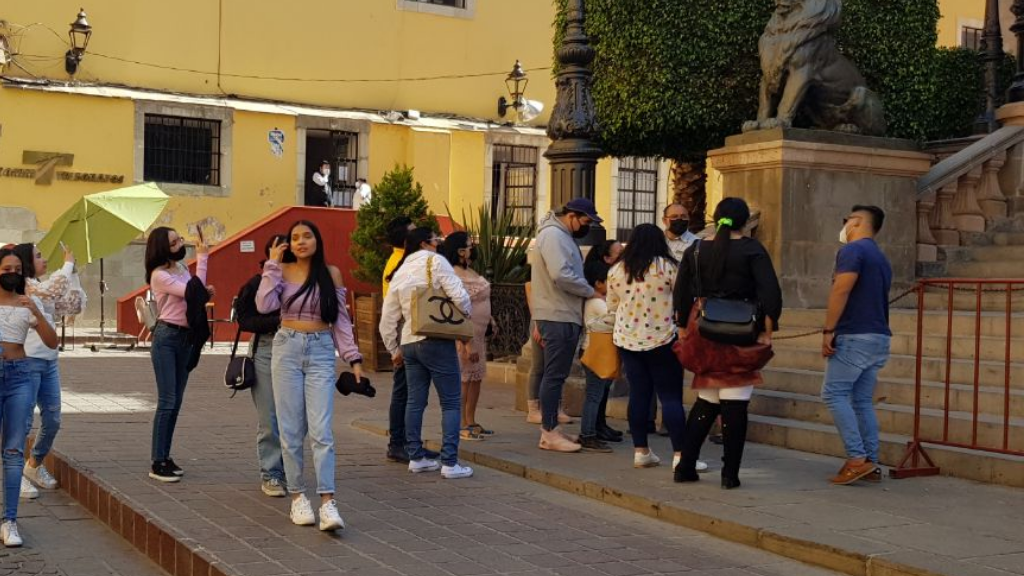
x=241, y=371
x=724, y=320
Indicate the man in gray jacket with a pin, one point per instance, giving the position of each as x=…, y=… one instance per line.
x=559, y=291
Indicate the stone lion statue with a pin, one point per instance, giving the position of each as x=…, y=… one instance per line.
x=805, y=81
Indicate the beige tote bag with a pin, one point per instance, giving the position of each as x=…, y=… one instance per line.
x=435, y=315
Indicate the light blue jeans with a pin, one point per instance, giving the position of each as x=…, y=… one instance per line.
x=303, y=372
x=434, y=360
x=268, y=443
x=45, y=376
x=16, y=401
x=849, y=388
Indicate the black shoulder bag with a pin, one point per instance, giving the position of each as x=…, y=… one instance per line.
x=723, y=320
x=241, y=371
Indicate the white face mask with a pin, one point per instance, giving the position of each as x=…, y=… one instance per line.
x=842, y=236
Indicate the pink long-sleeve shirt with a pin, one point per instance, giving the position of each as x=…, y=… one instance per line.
x=274, y=294
x=168, y=287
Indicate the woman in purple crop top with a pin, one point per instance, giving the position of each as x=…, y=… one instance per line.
x=167, y=278
x=19, y=314
x=314, y=323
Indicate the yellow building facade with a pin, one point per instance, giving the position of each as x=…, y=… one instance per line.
x=962, y=21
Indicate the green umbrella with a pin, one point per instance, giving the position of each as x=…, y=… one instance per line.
x=99, y=225
x=102, y=224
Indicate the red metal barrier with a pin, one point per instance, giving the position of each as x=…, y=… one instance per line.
x=916, y=461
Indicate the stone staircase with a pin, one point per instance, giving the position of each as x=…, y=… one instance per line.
x=787, y=410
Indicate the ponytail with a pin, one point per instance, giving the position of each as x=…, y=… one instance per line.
x=731, y=214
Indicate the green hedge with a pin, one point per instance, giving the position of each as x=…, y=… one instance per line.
x=673, y=78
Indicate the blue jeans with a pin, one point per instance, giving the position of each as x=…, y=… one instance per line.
x=396, y=412
x=16, y=401
x=434, y=360
x=169, y=353
x=268, y=442
x=45, y=376
x=560, y=342
x=649, y=372
x=596, y=387
x=303, y=369
x=849, y=387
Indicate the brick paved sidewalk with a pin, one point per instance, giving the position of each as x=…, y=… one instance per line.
x=216, y=521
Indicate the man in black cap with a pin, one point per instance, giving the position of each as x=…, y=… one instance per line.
x=559, y=290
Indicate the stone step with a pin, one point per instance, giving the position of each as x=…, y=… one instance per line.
x=895, y=419
x=905, y=321
x=965, y=299
x=985, y=254
x=994, y=239
x=999, y=269
x=823, y=439
x=904, y=366
x=932, y=346
x=900, y=391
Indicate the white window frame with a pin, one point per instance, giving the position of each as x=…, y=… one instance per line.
x=468, y=12
x=226, y=118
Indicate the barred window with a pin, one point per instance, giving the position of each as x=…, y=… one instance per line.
x=182, y=150
x=452, y=3
x=971, y=37
x=638, y=194
x=514, y=183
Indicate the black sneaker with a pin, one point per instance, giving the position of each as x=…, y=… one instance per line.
x=593, y=444
x=608, y=435
x=397, y=454
x=430, y=454
x=162, y=471
x=175, y=468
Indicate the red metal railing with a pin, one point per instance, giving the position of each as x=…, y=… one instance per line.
x=952, y=432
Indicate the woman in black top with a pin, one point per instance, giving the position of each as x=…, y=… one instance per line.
x=734, y=267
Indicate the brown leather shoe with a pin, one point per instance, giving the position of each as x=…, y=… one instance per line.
x=850, y=473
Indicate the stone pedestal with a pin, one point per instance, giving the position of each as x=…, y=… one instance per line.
x=804, y=182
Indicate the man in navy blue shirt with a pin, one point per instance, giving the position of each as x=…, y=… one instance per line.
x=856, y=341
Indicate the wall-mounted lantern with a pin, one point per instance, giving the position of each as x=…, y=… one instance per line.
x=79, y=35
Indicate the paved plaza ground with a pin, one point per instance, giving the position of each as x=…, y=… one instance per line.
x=517, y=515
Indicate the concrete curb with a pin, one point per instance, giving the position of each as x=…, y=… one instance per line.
x=177, y=555
x=808, y=551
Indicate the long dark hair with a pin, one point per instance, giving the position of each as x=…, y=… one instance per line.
x=600, y=252
x=452, y=244
x=731, y=215
x=646, y=243
x=413, y=240
x=27, y=253
x=319, y=278
x=158, y=249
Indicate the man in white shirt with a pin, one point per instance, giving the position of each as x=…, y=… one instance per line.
x=322, y=178
x=677, y=229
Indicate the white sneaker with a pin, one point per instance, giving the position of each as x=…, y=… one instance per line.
x=28, y=491
x=329, y=517
x=457, y=471
x=41, y=477
x=9, y=534
x=423, y=465
x=702, y=466
x=302, y=512
x=649, y=460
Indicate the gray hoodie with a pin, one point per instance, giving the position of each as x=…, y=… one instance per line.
x=557, y=283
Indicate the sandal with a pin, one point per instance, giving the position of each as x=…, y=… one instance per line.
x=468, y=433
x=480, y=430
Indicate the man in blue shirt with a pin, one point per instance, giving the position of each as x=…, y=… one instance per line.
x=856, y=341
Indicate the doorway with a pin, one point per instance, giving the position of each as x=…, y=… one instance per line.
x=340, y=150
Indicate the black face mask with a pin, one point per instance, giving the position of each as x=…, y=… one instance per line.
x=582, y=232
x=12, y=282
x=678, y=227
x=179, y=255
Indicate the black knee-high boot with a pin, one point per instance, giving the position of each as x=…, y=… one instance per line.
x=702, y=417
x=734, y=437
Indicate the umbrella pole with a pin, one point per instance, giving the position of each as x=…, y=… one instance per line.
x=103, y=321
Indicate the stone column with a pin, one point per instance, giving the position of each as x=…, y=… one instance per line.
x=941, y=221
x=990, y=195
x=967, y=213
x=926, y=249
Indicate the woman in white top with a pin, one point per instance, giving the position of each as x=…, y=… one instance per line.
x=43, y=363
x=426, y=359
x=19, y=314
x=640, y=297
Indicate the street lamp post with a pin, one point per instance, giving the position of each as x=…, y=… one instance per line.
x=573, y=154
x=992, y=56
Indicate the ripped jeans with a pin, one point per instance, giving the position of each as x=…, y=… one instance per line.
x=45, y=375
x=15, y=407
